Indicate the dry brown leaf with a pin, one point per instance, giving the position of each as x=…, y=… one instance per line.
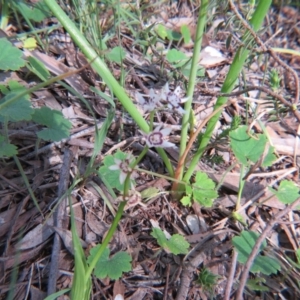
x=36, y=236
x=66, y=236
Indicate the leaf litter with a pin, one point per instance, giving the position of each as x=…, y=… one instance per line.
x=155, y=274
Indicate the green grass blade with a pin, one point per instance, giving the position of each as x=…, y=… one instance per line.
x=234, y=71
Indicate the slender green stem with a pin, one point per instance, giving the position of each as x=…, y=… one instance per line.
x=241, y=188
x=98, y=64
x=230, y=81
x=101, y=68
x=107, y=239
x=24, y=177
x=192, y=78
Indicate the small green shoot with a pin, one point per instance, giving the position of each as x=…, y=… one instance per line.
x=203, y=191
x=112, y=267
x=207, y=280
x=176, y=244
x=244, y=245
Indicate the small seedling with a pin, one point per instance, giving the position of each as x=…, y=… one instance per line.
x=207, y=280
x=176, y=244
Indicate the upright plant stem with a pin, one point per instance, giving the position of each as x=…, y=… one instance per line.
x=229, y=83
x=103, y=71
x=192, y=79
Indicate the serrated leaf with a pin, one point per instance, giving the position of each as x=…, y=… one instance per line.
x=18, y=110
x=174, y=55
x=10, y=56
x=203, y=190
x=185, y=31
x=287, y=192
x=117, y=54
x=110, y=267
x=266, y=265
x=30, y=43
x=176, y=244
x=7, y=149
x=244, y=245
x=186, y=201
x=59, y=127
x=245, y=147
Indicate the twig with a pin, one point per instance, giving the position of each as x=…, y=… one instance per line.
x=59, y=217
x=231, y=275
x=258, y=88
x=256, y=248
x=268, y=50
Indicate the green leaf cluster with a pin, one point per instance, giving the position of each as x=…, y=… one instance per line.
x=244, y=245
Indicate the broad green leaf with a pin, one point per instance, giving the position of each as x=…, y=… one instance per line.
x=185, y=31
x=174, y=55
x=37, y=12
x=110, y=267
x=269, y=158
x=173, y=35
x=176, y=244
x=244, y=245
x=117, y=54
x=7, y=149
x=161, y=31
x=18, y=110
x=10, y=56
x=203, y=190
x=266, y=265
x=246, y=148
x=59, y=127
x=287, y=192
